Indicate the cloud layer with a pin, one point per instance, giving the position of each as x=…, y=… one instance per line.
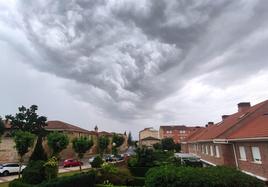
x=144, y=60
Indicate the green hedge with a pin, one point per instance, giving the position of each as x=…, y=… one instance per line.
x=138, y=171
x=171, y=176
x=79, y=180
x=34, y=173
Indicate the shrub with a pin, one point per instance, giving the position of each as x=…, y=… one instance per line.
x=171, y=176
x=34, y=173
x=19, y=183
x=97, y=162
x=132, y=162
x=108, y=168
x=139, y=171
x=39, y=152
x=51, y=168
x=81, y=180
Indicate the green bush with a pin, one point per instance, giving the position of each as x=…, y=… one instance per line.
x=108, y=168
x=136, y=181
x=39, y=152
x=97, y=162
x=34, y=173
x=171, y=176
x=139, y=171
x=19, y=183
x=79, y=180
x=51, y=168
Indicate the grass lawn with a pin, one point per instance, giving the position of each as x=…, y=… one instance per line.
x=5, y=184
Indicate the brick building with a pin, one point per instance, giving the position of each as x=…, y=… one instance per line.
x=239, y=140
x=177, y=132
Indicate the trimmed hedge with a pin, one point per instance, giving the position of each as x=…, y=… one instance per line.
x=34, y=173
x=171, y=176
x=79, y=180
x=138, y=171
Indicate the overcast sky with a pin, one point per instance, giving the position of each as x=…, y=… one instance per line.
x=130, y=64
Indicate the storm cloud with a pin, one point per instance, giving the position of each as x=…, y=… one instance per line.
x=143, y=60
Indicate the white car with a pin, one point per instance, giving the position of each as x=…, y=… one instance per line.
x=8, y=168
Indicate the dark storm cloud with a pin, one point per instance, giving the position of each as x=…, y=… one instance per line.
x=126, y=56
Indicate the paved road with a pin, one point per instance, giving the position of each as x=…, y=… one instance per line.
x=61, y=170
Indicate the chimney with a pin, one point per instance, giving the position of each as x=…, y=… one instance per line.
x=210, y=124
x=96, y=128
x=224, y=117
x=242, y=107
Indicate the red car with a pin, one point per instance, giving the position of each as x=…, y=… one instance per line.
x=71, y=163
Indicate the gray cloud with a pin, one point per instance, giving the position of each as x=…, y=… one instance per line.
x=126, y=57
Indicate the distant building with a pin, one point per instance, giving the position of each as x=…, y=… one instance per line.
x=8, y=152
x=177, y=132
x=148, y=137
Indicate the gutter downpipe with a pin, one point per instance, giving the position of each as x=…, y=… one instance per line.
x=236, y=162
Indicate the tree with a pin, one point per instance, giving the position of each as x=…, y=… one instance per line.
x=167, y=144
x=81, y=145
x=177, y=147
x=39, y=152
x=157, y=146
x=23, y=141
x=28, y=120
x=57, y=142
x=129, y=139
x=117, y=140
x=2, y=128
x=103, y=142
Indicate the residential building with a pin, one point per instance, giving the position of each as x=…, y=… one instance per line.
x=239, y=140
x=177, y=132
x=148, y=137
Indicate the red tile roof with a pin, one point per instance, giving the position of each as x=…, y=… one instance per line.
x=254, y=129
x=223, y=129
x=59, y=125
x=177, y=127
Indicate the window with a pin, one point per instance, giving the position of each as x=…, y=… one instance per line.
x=211, y=151
x=182, y=131
x=242, y=153
x=256, y=154
x=217, y=151
x=206, y=149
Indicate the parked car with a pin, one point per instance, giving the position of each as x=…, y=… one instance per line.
x=119, y=157
x=8, y=168
x=109, y=158
x=90, y=160
x=71, y=163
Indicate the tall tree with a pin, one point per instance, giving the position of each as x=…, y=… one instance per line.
x=117, y=140
x=81, y=145
x=168, y=144
x=28, y=120
x=129, y=139
x=103, y=142
x=23, y=141
x=57, y=142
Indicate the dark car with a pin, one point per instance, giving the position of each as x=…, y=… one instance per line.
x=109, y=158
x=119, y=157
x=71, y=163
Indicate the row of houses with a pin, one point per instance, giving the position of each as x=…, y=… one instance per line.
x=149, y=136
x=9, y=154
x=239, y=140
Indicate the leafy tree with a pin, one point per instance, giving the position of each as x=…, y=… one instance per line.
x=103, y=142
x=157, y=146
x=23, y=141
x=2, y=128
x=28, y=120
x=81, y=145
x=117, y=140
x=129, y=139
x=57, y=142
x=39, y=152
x=177, y=147
x=167, y=144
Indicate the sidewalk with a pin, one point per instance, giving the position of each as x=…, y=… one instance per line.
x=61, y=170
